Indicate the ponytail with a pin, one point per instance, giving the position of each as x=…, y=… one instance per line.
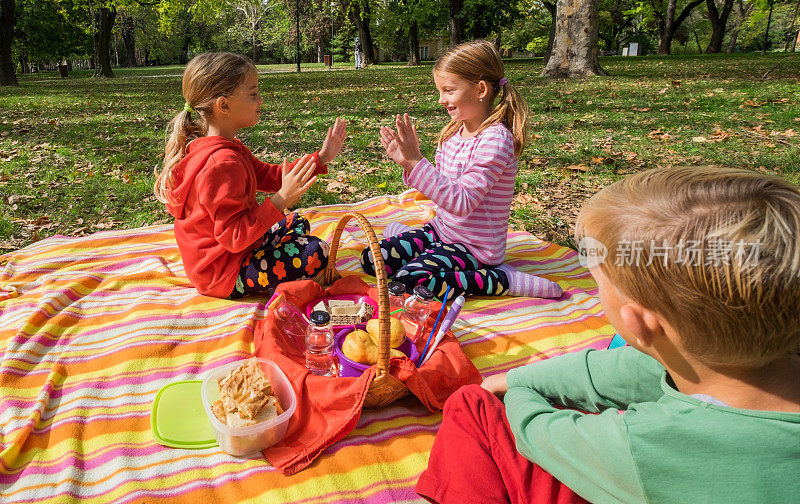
x=513, y=112
x=181, y=130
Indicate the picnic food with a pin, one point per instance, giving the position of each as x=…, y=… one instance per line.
x=397, y=331
x=246, y=396
x=346, y=311
x=358, y=347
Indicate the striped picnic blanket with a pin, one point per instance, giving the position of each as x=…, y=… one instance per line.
x=91, y=328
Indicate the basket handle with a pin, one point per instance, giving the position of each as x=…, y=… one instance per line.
x=330, y=274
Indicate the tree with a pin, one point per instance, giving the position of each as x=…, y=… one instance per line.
x=719, y=21
x=766, y=32
x=575, y=49
x=253, y=12
x=668, y=24
x=359, y=13
x=128, y=37
x=483, y=18
x=616, y=22
x=8, y=76
x=103, y=22
x=456, y=22
x=741, y=15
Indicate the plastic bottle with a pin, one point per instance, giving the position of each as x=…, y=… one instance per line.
x=415, y=312
x=319, y=344
x=397, y=298
x=289, y=320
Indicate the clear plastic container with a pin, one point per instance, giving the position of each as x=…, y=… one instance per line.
x=290, y=320
x=416, y=311
x=240, y=441
x=397, y=298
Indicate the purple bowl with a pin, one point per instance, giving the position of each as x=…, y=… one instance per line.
x=351, y=368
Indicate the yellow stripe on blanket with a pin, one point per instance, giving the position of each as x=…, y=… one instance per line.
x=91, y=328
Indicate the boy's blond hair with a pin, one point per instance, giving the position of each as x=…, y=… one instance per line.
x=719, y=257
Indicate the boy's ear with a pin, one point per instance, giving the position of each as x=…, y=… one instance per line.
x=643, y=324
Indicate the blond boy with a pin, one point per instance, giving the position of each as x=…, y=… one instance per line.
x=699, y=270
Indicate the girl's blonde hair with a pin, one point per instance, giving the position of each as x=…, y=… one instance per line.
x=479, y=61
x=206, y=77
x=715, y=251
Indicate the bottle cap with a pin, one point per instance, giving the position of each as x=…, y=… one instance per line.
x=320, y=318
x=423, y=293
x=396, y=288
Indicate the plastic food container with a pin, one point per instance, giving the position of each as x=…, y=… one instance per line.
x=240, y=441
x=351, y=368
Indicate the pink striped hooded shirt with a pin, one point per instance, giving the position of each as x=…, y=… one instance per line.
x=473, y=185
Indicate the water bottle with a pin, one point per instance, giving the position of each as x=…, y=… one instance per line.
x=289, y=320
x=319, y=344
x=397, y=298
x=415, y=312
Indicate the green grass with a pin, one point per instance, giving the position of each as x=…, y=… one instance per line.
x=77, y=154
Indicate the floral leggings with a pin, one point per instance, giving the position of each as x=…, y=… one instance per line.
x=286, y=253
x=418, y=257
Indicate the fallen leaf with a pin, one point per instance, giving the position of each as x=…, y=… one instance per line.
x=700, y=139
x=579, y=167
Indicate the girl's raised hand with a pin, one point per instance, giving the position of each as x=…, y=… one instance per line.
x=295, y=181
x=333, y=141
x=403, y=145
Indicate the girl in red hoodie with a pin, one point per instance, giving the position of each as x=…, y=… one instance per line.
x=231, y=245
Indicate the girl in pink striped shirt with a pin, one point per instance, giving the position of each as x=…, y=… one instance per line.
x=472, y=183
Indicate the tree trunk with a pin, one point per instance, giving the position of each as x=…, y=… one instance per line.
x=671, y=24
x=551, y=8
x=575, y=43
x=104, y=22
x=128, y=37
x=741, y=13
x=320, y=50
x=456, y=22
x=23, y=63
x=183, y=58
x=413, y=44
x=359, y=14
x=766, y=33
x=8, y=77
x=791, y=41
x=719, y=21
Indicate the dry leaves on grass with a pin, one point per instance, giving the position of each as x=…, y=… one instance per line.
x=660, y=135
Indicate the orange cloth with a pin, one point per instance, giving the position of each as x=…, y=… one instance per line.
x=329, y=408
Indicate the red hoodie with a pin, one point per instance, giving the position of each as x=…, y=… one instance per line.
x=217, y=218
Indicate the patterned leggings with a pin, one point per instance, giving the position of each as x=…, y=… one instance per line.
x=418, y=257
x=286, y=253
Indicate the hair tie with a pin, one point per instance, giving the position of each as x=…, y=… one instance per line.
x=502, y=82
x=187, y=107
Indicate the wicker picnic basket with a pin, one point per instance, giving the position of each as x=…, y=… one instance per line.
x=384, y=388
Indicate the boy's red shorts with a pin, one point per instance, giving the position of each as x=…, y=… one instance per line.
x=474, y=459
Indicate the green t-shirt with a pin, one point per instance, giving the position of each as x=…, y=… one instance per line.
x=649, y=443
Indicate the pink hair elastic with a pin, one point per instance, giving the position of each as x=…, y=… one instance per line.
x=502, y=82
